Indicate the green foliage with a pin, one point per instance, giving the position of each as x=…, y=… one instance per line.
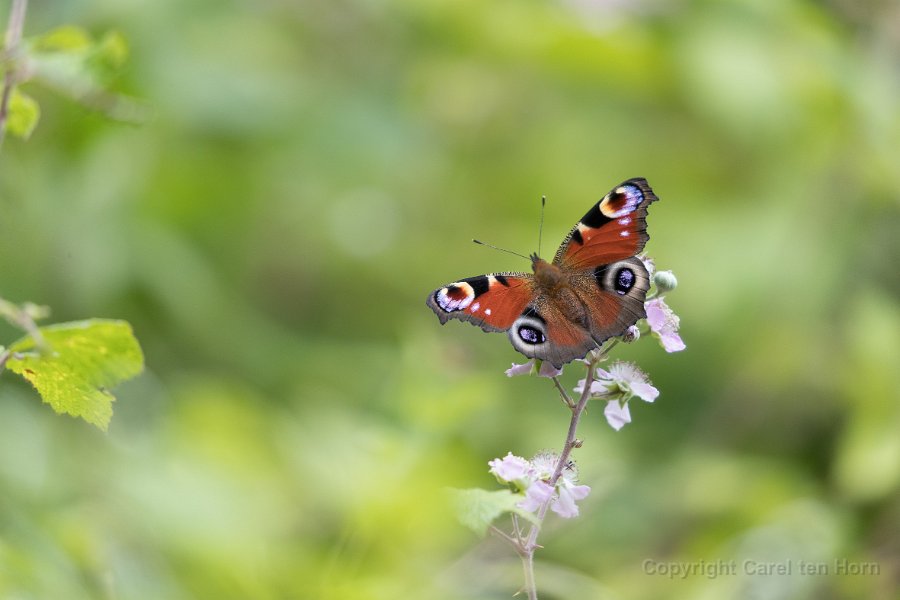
x=477, y=508
x=313, y=169
x=24, y=113
x=70, y=61
x=82, y=362
x=64, y=39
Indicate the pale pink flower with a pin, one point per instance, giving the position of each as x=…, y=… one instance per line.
x=622, y=381
x=537, y=493
x=617, y=386
x=533, y=477
x=510, y=468
x=546, y=370
x=664, y=324
x=565, y=505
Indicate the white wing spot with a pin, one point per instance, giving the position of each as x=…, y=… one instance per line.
x=475, y=307
x=624, y=233
x=624, y=220
x=487, y=311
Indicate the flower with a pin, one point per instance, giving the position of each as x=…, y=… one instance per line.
x=544, y=464
x=565, y=505
x=510, y=468
x=622, y=382
x=545, y=370
x=664, y=324
x=532, y=478
x=537, y=493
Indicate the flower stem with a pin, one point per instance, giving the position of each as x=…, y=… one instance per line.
x=13, y=36
x=530, y=544
x=528, y=567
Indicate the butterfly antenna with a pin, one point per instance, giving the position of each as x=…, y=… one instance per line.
x=541, y=227
x=500, y=249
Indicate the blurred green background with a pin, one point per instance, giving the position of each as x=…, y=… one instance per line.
x=312, y=169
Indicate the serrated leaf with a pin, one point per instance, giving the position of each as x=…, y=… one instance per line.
x=24, y=113
x=84, y=360
x=67, y=38
x=477, y=508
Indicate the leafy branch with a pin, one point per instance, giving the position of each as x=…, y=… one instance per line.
x=68, y=61
x=10, y=48
x=72, y=365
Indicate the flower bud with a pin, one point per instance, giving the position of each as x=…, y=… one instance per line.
x=632, y=334
x=665, y=281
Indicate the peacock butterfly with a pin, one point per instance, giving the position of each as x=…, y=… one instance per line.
x=593, y=290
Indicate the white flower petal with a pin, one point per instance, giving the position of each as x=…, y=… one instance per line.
x=645, y=391
x=617, y=415
x=535, y=496
x=523, y=369
x=671, y=342
x=548, y=370
x=656, y=315
x=580, y=492
x=565, y=506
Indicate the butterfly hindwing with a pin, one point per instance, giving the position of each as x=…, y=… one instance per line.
x=493, y=302
x=544, y=331
x=613, y=296
x=614, y=229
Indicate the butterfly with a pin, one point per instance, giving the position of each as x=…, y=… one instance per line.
x=593, y=290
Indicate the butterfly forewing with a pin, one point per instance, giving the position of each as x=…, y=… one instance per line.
x=615, y=228
x=490, y=301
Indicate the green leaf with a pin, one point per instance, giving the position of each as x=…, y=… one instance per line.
x=67, y=38
x=477, y=508
x=84, y=360
x=24, y=113
x=111, y=51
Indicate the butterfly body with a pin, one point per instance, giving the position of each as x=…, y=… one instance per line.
x=593, y=289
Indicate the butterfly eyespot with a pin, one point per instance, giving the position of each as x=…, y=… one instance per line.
x=530, y=335
x=529, y=332
x=457, y=296
x=621, y=201
x=624, y=281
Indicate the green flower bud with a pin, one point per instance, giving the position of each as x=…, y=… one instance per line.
x=665, y=281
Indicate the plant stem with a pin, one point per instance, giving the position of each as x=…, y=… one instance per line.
x=13, y=36
x=24, y=317
x=526, y=551
x=528, y=567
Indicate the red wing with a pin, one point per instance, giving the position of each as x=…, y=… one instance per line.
x=492, y=301
x=561, y=340
x=614, y=229
x=613, y=296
